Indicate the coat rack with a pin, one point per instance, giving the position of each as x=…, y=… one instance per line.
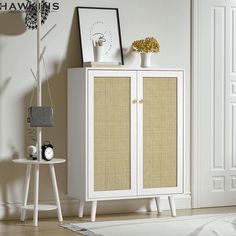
x=36, y=206
x=39, y=83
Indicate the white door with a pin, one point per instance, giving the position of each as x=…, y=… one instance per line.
x=214, y=89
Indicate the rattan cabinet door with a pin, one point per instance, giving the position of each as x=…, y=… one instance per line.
x=113, y=124
x=160, y=164
x=159, y=132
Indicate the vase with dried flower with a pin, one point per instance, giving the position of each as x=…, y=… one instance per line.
x=146, y=47
x=98, y=50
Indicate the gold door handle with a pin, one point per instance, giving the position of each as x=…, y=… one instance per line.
x=134, y=101
x=141, y=101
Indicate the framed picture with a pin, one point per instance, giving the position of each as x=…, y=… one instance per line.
x=100, y=24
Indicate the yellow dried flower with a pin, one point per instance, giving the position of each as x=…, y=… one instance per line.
x=149, y=44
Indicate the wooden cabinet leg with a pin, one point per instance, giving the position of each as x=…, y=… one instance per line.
x=27, y=182
x=81, y=208
x=172, y=205
x=36, y=194
x=158, y=204
x=93, y=210
x=55, y=190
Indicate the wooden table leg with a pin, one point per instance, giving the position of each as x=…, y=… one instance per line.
x=55, y=190
x=81, y=208
x=93, y=210
x=172, y=205
x=158, y=204
x=26, y=192
x=36, y=194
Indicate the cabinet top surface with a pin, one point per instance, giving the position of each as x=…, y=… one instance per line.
x=125, y=69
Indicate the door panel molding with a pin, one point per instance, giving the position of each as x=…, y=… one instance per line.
x=233, y=40
x=195, y=104
x=220, y=72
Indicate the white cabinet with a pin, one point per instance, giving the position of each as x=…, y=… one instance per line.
x=125, y=134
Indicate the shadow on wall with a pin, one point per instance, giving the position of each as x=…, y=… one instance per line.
x=8, y=192
x=57, y=135
x=10, y=25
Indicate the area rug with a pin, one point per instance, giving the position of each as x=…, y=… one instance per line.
x=197, y=225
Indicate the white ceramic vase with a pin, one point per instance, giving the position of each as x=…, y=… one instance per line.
x=145, y=59
x=98, y=53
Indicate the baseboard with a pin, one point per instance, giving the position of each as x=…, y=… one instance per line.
x=10, y=211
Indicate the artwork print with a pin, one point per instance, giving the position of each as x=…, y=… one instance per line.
x=100, y=24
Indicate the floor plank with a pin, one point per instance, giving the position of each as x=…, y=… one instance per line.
x=51, y=227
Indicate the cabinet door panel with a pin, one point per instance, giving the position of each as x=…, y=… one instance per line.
x=112, y=134
x=159, y=132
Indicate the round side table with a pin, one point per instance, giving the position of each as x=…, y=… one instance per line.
x=38, y=207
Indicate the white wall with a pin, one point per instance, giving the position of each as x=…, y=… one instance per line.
x=168, y=20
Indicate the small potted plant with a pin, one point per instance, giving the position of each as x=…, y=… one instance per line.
x=146, y=47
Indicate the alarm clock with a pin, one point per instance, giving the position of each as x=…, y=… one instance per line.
x=47, y=151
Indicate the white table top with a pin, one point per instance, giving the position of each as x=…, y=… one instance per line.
x=42, y=162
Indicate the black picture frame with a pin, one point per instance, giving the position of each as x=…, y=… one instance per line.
x=93, y=21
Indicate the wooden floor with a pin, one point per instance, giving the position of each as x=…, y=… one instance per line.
x=50, y=227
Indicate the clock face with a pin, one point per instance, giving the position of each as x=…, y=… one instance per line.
x=49, y=153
